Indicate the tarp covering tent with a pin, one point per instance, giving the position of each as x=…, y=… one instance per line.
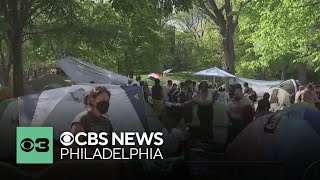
x=295, y=138
x=82, y=72
x=47, y=79
x=259, y=86
x=58, y=107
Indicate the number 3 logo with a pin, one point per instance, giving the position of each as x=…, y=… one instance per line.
x=40, y=145
x=43, y=145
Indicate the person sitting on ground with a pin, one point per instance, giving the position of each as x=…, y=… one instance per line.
x=309, y=95
x=263, y=105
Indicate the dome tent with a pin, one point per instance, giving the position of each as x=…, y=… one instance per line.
x=58, y=107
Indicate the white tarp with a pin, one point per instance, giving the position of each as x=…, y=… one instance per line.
x=259, y=86
x=82, y=72
x=214, y=72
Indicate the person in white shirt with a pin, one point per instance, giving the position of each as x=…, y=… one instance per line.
x=166, y=88
x=223, y=96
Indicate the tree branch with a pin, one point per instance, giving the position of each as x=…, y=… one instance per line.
x=42, y=32
x=218, y=13
x=206, y=11
x=242, y=5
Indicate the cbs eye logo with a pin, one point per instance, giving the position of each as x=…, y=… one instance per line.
x=40, y=145
x=66, y=138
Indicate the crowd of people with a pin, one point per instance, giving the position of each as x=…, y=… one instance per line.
x=241, y=103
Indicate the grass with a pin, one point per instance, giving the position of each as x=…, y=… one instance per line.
x=179, y=76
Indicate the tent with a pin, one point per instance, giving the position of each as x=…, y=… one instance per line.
x=291, y=135
x=214, y=72
x=58, y=107
x=47, y=79
x=259, y=86
x=82, y=72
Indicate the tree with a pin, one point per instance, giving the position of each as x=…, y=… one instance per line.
x=287, y=33
x=226, y=16
x=18, y=14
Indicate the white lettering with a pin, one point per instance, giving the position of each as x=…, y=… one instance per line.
x=144, y=139
x=103, y=138
x=120, y=139
x=129, y=139
x=158, y=136
x=78, y=137
x=62, y=150
x=92, y=138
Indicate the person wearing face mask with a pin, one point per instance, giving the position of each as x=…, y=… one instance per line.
x=93, y=118
x=240, y=111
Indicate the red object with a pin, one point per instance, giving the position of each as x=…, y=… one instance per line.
x=154, y=75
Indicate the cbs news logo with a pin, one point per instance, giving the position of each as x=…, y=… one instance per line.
x=34, y=145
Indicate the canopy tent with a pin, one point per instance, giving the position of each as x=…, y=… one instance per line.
x=214, y=72
x=82, y=72
x=295, y=138
x=58, y=107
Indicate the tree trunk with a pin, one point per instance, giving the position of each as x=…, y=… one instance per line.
x=7, y=65
x=18, y=83
x=2, y=66
x=283, y=73
x=302, y=72
x=228, y=52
